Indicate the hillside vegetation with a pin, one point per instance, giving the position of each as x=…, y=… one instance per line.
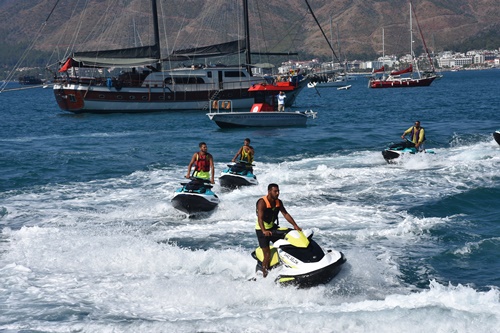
x=276, y=26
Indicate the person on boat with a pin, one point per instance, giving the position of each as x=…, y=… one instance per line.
x=281, y=101
x=268, y=208
x=246, y=153
x=203, y=163
x=417, y=136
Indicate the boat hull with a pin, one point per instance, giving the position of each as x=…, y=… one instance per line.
x=390, y=155
x=192, y=203
x=315, y=277
x=258, y=119
x=233, y=181
x=302, y=266
x=401, y=83
x=393, y=155
x=84, y=99
x=496, y=135
x=96, y=95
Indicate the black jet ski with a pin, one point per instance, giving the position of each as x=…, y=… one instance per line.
x=195, y=197
x=496, y=135
x=238, y=174
x=300, y=261
x=396, y=150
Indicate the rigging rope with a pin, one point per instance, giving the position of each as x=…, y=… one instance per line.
x=26, y=52
x=423, y=40
x=315, y=19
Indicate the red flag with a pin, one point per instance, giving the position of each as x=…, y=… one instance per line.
x=67, y=65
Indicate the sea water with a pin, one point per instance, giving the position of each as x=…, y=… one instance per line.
x=90, y=241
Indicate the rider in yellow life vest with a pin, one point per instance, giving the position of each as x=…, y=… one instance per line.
x=268, y=208
x=203, y=164
x=246, y=152
x=417, y=135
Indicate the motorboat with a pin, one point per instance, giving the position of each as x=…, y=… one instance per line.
x=496, y=135
x=195, y=197
x=263, y=112
x=336, y=80
x=238, y=174
x=299, y=260
x=393, y=152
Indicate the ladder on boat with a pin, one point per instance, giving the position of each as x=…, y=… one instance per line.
x=213, y=97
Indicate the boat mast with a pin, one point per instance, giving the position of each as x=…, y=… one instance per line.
x=156, y=32
x=383, y=43
x=425, y=44
x=247, y=36
x=412, y=55
x=331, y=37
x=411, y=36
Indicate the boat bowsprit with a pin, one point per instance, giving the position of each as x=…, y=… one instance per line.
x=238, y=174
x=195, y=197
x=496, y=135
x=395, y=151
x=299, y=260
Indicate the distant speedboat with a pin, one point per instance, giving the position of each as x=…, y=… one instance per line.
x=261, y=114
x=496, y=135
x=336, y=81
x=29, y=80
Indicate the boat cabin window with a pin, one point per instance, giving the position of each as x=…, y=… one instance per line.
x=263, y=97
x=209, y=74
x=234, y=74
x=187, y=80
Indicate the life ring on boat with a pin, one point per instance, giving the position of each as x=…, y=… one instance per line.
x=215, y=105
x=227, y=105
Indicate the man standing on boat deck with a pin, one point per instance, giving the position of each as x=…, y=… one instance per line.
x=281, y=101
x=203, y=164
x=417, y=135
x=268, y=208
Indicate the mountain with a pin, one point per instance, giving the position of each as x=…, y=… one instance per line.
x=276, y=26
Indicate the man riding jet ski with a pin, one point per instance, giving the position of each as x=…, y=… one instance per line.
x=300, y=260
x=413, y=146
x=238, y=174
x=241, y=172
x=195, y=197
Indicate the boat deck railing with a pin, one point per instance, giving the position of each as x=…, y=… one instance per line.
x=220, y=105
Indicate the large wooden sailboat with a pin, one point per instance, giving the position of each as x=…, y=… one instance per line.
x=145, y=86
x=410, y=76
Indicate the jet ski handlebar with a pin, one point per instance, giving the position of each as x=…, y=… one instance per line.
x=205, y=182
x=281, y=232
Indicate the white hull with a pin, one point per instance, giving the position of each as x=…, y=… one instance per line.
x=259, y=119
